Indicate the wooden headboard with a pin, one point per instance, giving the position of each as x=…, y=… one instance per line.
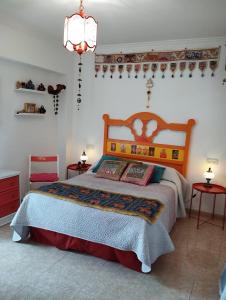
x=143, y=146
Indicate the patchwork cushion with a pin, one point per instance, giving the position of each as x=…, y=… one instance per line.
x=138, y=173
x=111, y=169
x=103, y=158
x=44, y=177
x=157, y=174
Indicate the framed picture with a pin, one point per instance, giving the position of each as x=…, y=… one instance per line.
x=29, y=107
x=113, y=147
x=123, y=148
x=151, y=151
x=133, y=149
x=175, y=154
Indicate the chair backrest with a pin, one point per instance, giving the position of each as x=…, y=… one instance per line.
x=43, y=159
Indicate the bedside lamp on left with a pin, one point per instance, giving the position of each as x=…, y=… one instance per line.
x=208, y=175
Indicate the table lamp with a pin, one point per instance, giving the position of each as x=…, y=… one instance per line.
x=208, y=175
x=83, y=157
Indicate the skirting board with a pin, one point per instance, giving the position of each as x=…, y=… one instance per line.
x=7, y=219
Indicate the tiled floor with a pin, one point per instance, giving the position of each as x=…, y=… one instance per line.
x=31, y=271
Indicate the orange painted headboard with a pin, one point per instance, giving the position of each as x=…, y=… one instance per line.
x=143, y=146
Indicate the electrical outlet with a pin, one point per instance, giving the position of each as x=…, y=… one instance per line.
x=213, y=160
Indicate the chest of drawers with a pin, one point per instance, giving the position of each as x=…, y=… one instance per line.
x=9, y=195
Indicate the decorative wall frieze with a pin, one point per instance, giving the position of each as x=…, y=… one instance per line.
x=155, y=61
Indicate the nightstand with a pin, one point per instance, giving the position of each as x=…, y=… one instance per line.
x=9, y=195
x=82, y=168
x=213, y=189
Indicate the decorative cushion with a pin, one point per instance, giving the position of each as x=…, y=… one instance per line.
x=157, y=174
x=44, y=177
x=103, y=158
x=138, y=173
x=111, y=169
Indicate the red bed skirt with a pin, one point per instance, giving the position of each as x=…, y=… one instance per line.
x=65, y=242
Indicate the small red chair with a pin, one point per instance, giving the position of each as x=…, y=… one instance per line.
x=43, y=176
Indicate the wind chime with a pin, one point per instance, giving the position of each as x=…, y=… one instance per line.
x=80, y=32
x=55, y=93
x=149, y=86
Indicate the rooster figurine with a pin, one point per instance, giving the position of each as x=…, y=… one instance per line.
x=55, y=93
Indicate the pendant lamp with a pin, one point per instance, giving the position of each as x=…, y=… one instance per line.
x=80, y=33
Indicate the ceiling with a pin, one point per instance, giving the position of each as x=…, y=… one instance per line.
x=121, y=21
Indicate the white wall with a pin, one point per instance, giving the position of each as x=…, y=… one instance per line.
x=175, y=100
x=31, y=49
x=24, y=57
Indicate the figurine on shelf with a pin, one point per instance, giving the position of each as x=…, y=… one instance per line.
x=29, y=85
x=42, y=110
x=55, y=93
x=18, y=85
x=41, y=87
x=23, y=85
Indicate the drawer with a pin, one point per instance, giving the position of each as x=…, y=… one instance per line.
x=9, y=183
x=9, y=208
x=8, y=196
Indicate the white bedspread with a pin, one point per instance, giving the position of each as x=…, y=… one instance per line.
x=124, y=232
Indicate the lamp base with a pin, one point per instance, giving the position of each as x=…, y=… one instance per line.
x=207, y=184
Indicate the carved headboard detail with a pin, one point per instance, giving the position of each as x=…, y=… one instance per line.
x=143, y=146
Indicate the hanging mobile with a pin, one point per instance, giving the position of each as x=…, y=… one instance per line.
x=97, y=69
x=173, y=68
x=163, y=68
x=112, y=70
x=154, y=68
x=79, y=99
x=182, y=67
x=137, y=68
x=55, y=93
x=149, y=86
x=105, y=69
x=202, y=67
x=129, y=69
x=145, y=69
x=213, y=66
x=120, y=69
x=191, y=67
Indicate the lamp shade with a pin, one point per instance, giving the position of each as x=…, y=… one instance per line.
x=80, y=32
x=208, y=175
x=84, y=157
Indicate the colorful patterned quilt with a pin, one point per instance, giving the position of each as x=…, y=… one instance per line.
x=148, y=209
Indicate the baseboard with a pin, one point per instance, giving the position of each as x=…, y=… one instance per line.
x=7, y=219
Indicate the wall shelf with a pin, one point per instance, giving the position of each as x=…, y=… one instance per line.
x=29, y=115
x=22, y=90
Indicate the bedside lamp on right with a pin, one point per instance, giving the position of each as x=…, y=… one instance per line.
x=208, y=175
x=84, y=157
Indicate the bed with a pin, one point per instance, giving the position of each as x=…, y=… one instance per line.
x=128, y=239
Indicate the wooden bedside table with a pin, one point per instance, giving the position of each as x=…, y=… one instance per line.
x=82, y=168
x=213, y=189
